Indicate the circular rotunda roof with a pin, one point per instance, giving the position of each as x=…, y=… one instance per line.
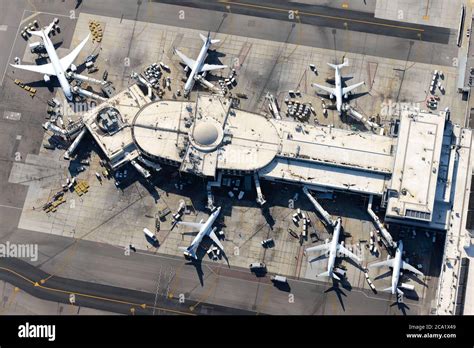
x=205, y=133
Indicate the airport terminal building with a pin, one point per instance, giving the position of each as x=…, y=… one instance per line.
x=415, y=172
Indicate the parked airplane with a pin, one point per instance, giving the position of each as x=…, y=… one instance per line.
x=338, y=91
x=397, y=264
x=198, y=66
x=57, y=66
x=335, y=250
x=205, y=229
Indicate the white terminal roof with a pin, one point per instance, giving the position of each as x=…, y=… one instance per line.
x=329, y=145
x=120, y=147
x=206, y=135
x=416, y=168
x=331, y=157
x=209, y=135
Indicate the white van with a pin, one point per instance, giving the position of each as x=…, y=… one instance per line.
x=279, y=278
x=257, y=266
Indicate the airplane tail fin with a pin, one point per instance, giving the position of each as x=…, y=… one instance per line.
x=36, y=33
x=43, y=32
x=208, y=38
x=49, y=28
x=339, y=66
x=389, y=289
x=326, y=274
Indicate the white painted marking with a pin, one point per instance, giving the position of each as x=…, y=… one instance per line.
x=11, y=115
x=11, y=51
x=50, y=13
x=18, y=137
x=29, y=17
x=10, y=207
x=3, y=27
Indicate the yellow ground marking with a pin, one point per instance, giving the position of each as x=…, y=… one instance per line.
x=265, y=296
x=314, y=14
x=102, y=298
x=170, y=293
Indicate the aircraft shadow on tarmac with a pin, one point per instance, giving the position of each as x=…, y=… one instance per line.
x=355, y=264
x=50, y=85
x=384, y=275
x=198, y=266
x=409, y=294
x=336, y=287
x=402, y=306
x=268, y=217
x=337, y=284
x=414, y=278
x=201, y=252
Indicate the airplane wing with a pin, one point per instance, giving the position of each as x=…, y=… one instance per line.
x=324, y=88
x=411, y=268
x=209, y=67
x=188, y=61
x=195, y=225
x=388, y=263
x=66, y=61
x=322, y=247
x=350, y=88
x=216, y=240
x=347, y=253
x=47, y=69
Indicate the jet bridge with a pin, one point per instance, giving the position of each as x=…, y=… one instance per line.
x=325, y=215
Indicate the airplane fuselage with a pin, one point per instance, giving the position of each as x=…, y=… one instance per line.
x=333, y=247
x=196, y=68
x=205, y=229
x=396, y=267
x=338, y=90
x=60, y=73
